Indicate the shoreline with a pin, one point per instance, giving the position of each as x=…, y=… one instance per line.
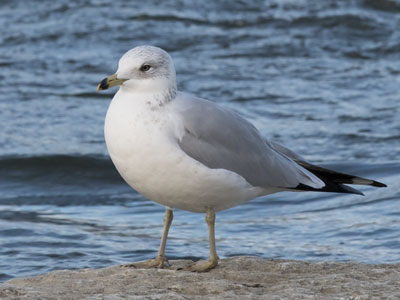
x=234, y=278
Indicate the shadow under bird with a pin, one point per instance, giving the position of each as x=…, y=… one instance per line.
x=188, y=153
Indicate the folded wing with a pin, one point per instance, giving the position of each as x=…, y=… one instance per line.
x=221, y=139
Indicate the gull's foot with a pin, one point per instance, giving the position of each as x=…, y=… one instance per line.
x=158, y=262
x=202, y=266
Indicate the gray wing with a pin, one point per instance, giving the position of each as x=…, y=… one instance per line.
x=289, y=153
x=221, y=139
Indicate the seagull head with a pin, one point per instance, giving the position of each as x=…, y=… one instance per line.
x=143, y=69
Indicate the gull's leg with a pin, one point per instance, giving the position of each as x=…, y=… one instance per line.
x=160, y=261
x=211, y=263
x=169, y=215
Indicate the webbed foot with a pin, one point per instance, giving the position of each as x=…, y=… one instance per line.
x=158, y=262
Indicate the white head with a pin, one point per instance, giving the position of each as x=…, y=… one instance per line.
x=144, y=69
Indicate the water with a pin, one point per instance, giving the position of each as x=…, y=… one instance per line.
x=321, y=77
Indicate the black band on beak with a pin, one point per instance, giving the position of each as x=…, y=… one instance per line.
x=110, y=81
x=103, y=84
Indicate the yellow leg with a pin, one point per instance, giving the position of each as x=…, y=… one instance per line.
x=169, y=215
x=160, y=261
x=212, y=262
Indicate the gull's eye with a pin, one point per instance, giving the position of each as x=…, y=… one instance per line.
x=145, y=68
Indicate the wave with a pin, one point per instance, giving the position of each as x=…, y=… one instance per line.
x=67, y=176
x=390, y=6
x=63, y=168
x=69, y=168
x=348, y=20
x=61, y=180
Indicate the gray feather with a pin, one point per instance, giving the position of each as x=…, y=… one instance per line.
x=221, y=139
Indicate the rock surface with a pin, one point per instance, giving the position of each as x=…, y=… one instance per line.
x=234, y=278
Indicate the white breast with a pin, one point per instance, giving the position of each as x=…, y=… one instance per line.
x=143, y=146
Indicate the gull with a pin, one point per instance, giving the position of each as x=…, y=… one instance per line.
x=188, y=153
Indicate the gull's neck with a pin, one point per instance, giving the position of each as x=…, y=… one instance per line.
x=156, y=97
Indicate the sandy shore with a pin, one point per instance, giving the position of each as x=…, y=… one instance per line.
x=235, y=278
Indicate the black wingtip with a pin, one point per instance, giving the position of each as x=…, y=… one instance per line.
x=349, y=190
x=338, y=177
x=357, y=192
x=378, y=184
x=331, y=187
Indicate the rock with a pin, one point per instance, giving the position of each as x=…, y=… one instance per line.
x=234, y=278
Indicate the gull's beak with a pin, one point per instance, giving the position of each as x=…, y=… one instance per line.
x=110, y=82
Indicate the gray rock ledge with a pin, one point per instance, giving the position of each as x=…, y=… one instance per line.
x=234, y=278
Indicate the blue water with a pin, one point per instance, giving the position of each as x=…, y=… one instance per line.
x=321, y=77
